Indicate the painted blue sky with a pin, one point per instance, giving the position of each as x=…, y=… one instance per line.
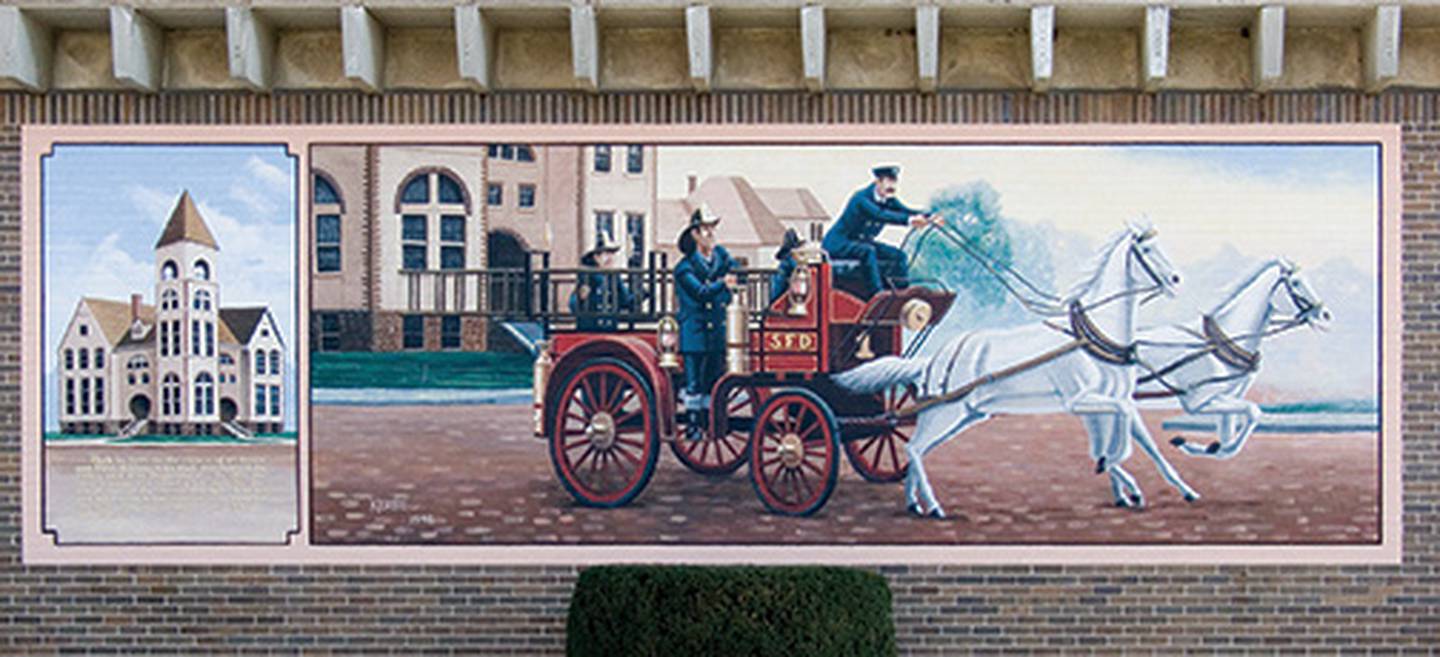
x=105, y=205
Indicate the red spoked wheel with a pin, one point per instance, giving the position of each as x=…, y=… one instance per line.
x=881, y=458
x=794, y=453
x=603, y=442
x=722, y=455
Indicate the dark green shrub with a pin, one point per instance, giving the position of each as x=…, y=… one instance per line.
x=695, y=611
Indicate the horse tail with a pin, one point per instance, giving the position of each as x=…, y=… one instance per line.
x=882, y=374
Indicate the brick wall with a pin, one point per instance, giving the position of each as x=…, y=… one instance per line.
x=495, y=609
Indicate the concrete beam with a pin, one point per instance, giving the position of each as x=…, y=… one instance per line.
x=701, y=45
x=137, y=47
x=1267, y=38
x=1382, y=47
x=1155, y=57
x=812, y=42
x=475, y=46
x=25, y=49
x=1042, y=46
x=585, y=46
x=362, y=43
x=927, y=46
x=251, y=42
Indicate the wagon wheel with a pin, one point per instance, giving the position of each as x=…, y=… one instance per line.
x=603, y=442
x=722, y=455
x=881, y=458
x=794, y=453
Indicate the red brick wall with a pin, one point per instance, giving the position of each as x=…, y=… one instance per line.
x=497, y=609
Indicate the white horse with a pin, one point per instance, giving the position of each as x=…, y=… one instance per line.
x=1209, y=365
x=1055, y=373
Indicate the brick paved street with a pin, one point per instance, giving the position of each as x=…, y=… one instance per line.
x=474, y=474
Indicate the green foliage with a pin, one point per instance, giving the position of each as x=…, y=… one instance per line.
x=731, y=611
x=476, y=370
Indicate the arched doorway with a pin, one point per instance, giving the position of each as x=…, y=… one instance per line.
x=140, y=407
x=506, y=256
x=228, y=409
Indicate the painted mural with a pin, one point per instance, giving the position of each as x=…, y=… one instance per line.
x=862, y=344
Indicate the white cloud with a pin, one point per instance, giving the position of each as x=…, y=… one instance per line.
x=109, y=272
x=152, y=204
x=267, y=173
x=256, y=201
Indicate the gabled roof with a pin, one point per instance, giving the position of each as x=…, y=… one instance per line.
x=241, y=323
x=186, y=224
x=745, y=219
x=793, y=203
x=113, y=317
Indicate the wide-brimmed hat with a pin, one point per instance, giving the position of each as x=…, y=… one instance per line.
x=606, y=245
x=702, y=216
x=792, y=241
x=891, y=171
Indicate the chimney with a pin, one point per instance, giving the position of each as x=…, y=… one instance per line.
x=134, y=307
x=690, y=180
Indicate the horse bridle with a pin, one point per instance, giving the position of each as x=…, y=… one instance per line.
x=1145, y=264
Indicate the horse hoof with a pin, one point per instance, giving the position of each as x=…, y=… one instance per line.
x=916, y=510
x=1177, y=441
x=1100, y=466
x=1213, y=448
x=1137, y=502
x=1191, y=497
x=936, y=513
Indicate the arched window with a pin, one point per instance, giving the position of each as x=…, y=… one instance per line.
x=69, y=359
x=202, y=300
x=274, y=361
x=226, y=359
x=325, y=192
x=202, y=269
x=84, y=359
x=204, y=394
x=169, y=300
x=99, y=357
x=169, y=271
x=259, y=362
x=137, y=363
x=434, y=208
x=209, y=339
x=170, y=395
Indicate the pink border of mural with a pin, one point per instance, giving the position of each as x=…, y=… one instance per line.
x=39, y=549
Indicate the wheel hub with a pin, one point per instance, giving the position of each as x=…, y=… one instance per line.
x=792, y=449
x=601, y=430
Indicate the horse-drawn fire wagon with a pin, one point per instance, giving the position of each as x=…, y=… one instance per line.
x=605, y=400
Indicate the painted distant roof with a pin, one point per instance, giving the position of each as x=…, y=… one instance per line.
x=186, y=224
x=241, y=323
x=745, y=218
x=114, y=317
x=792, y=203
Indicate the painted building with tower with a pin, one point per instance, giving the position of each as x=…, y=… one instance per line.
x=181, y=365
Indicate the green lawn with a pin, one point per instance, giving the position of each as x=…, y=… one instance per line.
x=450, y=369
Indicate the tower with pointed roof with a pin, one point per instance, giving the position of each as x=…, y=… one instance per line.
x=183, y=365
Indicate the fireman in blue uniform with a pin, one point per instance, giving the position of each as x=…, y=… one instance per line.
x=601, y=293
x=869, y=210
x=703, y=280
x=780, y=282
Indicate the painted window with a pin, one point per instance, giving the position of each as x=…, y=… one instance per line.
x=137, y=362
x=327, y=242
x=99, y=396
x=69, y=396
x=604, y=226
x=635, y=234
x=452, y=241
x=195, y=338
x=414, y=332
x=275, y=401
x=412, y=233
x=202, y=300
x=169, y=271
x=524, y=153
x=259, y=362
x=450, y=332
x=329, y=332
x=602, y=159
x=164, y=338
x=209, y=339
x=202, y=270
x=69, y=359
x=227, y=359
x=527, y=196
x=494, y=194
x=170, y=394
x=416, y=191
x=169, y=300
x=419, y=221
x=275, y=361
x=635, y=158
x=259, y=399
x=449, y=190
x=99, y=357
x=325, y=192
x=204, y=394
x=84, y=359
x=84, y=329
x=493, y=150
x=84, y=396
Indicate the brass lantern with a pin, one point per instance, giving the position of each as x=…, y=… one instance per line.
x=667, y=338
x=799, y=291
x=543, y=363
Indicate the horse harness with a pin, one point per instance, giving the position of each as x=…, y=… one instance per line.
x=1217, y=344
